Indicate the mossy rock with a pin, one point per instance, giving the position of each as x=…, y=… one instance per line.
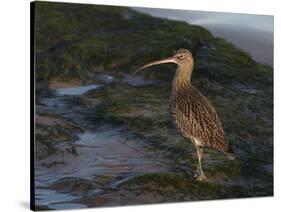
x=174, y=185
x=42, y=208
x=72, y=185
x=76, y=40
x=48, y=138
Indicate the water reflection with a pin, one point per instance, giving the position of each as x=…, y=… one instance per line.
x=78, y=90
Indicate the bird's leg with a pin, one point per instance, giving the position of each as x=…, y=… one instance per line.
x=199, y=155
x=200, y=176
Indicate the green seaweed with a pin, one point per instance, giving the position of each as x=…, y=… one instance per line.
x=173, y=184
x=75, y=40
x=47, y=139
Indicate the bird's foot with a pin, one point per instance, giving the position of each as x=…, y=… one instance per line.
x=200, y=177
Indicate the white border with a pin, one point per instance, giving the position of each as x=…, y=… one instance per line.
x=14, y=117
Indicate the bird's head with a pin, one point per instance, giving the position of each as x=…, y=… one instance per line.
x=183, y=58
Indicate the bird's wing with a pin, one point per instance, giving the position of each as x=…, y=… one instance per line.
x=198, y=119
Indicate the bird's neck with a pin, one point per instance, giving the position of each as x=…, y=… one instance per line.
x=182, y=78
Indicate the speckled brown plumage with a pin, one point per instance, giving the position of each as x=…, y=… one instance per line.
x=193, y=114
x=194, y=117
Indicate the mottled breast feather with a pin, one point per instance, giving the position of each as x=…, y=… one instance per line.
x=195, y=118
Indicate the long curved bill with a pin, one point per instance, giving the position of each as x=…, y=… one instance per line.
x=167, y=60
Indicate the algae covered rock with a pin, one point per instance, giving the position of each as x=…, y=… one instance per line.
x=72, y=185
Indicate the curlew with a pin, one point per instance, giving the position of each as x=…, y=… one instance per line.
x=192, y=114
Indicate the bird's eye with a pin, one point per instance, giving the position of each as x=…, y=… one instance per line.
x=181, y=56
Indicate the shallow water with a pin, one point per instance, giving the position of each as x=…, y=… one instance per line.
x=55, y=200
x=78, y=90
x=133, y=80
x=104, y=157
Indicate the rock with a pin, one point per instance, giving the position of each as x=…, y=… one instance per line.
x=72, y=185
